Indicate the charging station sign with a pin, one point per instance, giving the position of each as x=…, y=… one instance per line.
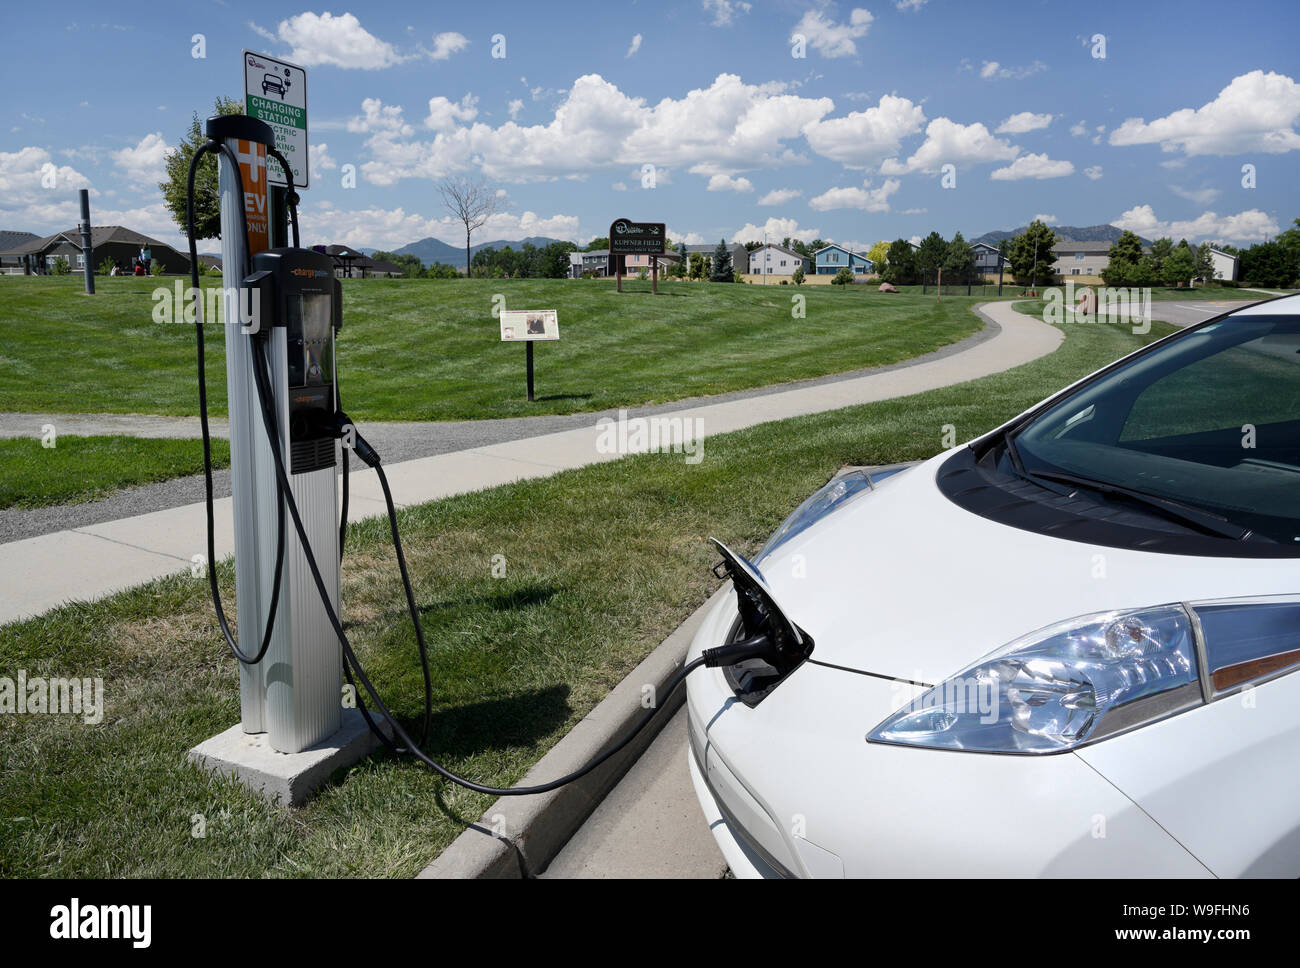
x=275, y=91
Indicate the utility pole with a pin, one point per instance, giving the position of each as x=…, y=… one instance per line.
x=87, y=249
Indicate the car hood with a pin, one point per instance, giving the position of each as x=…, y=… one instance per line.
x=902, y=582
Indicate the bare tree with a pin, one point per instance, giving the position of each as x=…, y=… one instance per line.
x=473, y=202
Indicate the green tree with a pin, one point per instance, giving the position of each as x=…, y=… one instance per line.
x=843, y=278
x=1161, y=250
x=1033, y=248
x=901, y=269
x=598, y=243
x=697, y=268
x=722, y=270
x=1127, y=248
x=106, y=266
x=930, y=256
x=1204, y=263
x=879, y=254
x=1179, y=267
x=959, y=260
x=1268, y=264
x=441, y=270
x=207, y=201
x=411, y=266
x=60, y=266
x=797, y=276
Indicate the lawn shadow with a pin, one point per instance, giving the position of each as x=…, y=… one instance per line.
x=563, y=396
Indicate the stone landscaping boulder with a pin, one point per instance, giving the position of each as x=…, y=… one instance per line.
x=888, y=287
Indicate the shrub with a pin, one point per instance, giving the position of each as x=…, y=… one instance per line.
x=106, y=266
x=60, y=267
x=843, y=278
x=797, y=277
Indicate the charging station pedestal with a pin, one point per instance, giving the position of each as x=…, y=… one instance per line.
x=294, y=729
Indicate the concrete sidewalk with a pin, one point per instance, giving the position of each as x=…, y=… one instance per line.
x=37, y=574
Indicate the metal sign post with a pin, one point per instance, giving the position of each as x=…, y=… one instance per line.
x=87, y=248
x=275, y=92
x=527, y=326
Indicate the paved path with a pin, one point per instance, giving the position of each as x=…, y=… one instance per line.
x=81, y=563
x=650, y=825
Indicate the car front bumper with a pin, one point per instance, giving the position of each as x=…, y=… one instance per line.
x=791, y=788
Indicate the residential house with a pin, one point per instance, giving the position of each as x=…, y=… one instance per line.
x=739, y=255
x=830, y=259
x=1225, y=265
x=122, y=245
x=595, y=262
x=1076, y=259
x=986, y=258
x=9, y=240
x=776, y=260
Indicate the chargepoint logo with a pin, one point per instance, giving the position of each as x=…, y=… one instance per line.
x=102, y=922
x=54, y=696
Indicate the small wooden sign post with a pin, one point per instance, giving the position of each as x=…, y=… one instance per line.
x=636, y=238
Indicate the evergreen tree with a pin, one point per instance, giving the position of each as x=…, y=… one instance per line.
x=721, y=270
x=207, y=200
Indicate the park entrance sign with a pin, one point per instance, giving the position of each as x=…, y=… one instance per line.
x=635, y=238
x=275, y=91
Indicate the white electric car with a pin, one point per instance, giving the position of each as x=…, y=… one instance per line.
x=1065, y=648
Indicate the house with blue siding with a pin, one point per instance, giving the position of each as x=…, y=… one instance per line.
x=833, y=258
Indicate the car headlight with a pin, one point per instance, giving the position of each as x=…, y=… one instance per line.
x=826, y=499
x=1059, y=687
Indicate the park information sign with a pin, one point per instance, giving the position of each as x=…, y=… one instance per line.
x=518, y=325
x=636, y=238
x=275, y=91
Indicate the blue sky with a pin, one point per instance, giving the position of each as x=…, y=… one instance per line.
x=848, y=142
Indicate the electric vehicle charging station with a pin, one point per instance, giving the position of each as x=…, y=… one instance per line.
x=288, y=308
x=288, y=437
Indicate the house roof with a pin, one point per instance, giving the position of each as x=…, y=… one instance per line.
x=780, y=248
x=99, y=235
x=12, y=238
x=1064, y=246
x=842, y=248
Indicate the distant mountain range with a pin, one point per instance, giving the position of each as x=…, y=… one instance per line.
x=433, y=250
x=1067, y=233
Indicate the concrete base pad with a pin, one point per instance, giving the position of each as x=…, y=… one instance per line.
x=287, y=778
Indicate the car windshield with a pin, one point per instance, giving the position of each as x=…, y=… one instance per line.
x=1210, y=420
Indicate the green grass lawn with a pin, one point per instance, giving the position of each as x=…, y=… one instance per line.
x=602, y=563
x=80, y=469
x=430, y=349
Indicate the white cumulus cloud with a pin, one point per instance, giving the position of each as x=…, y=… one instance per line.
x=831, y=39
x=635, y=46
x=1024, y=121
x=950, y=143
x=448, y=43
x=862, y=139
x=865, y=199
x=1255, y=112
x=1033, y=166
x=318, y=39
x=1251, y=225
x=779, y=196
x=145, y=164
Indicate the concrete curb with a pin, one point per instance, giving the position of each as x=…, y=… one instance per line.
x=532, y=830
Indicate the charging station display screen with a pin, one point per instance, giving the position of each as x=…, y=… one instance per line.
x=311, y=344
